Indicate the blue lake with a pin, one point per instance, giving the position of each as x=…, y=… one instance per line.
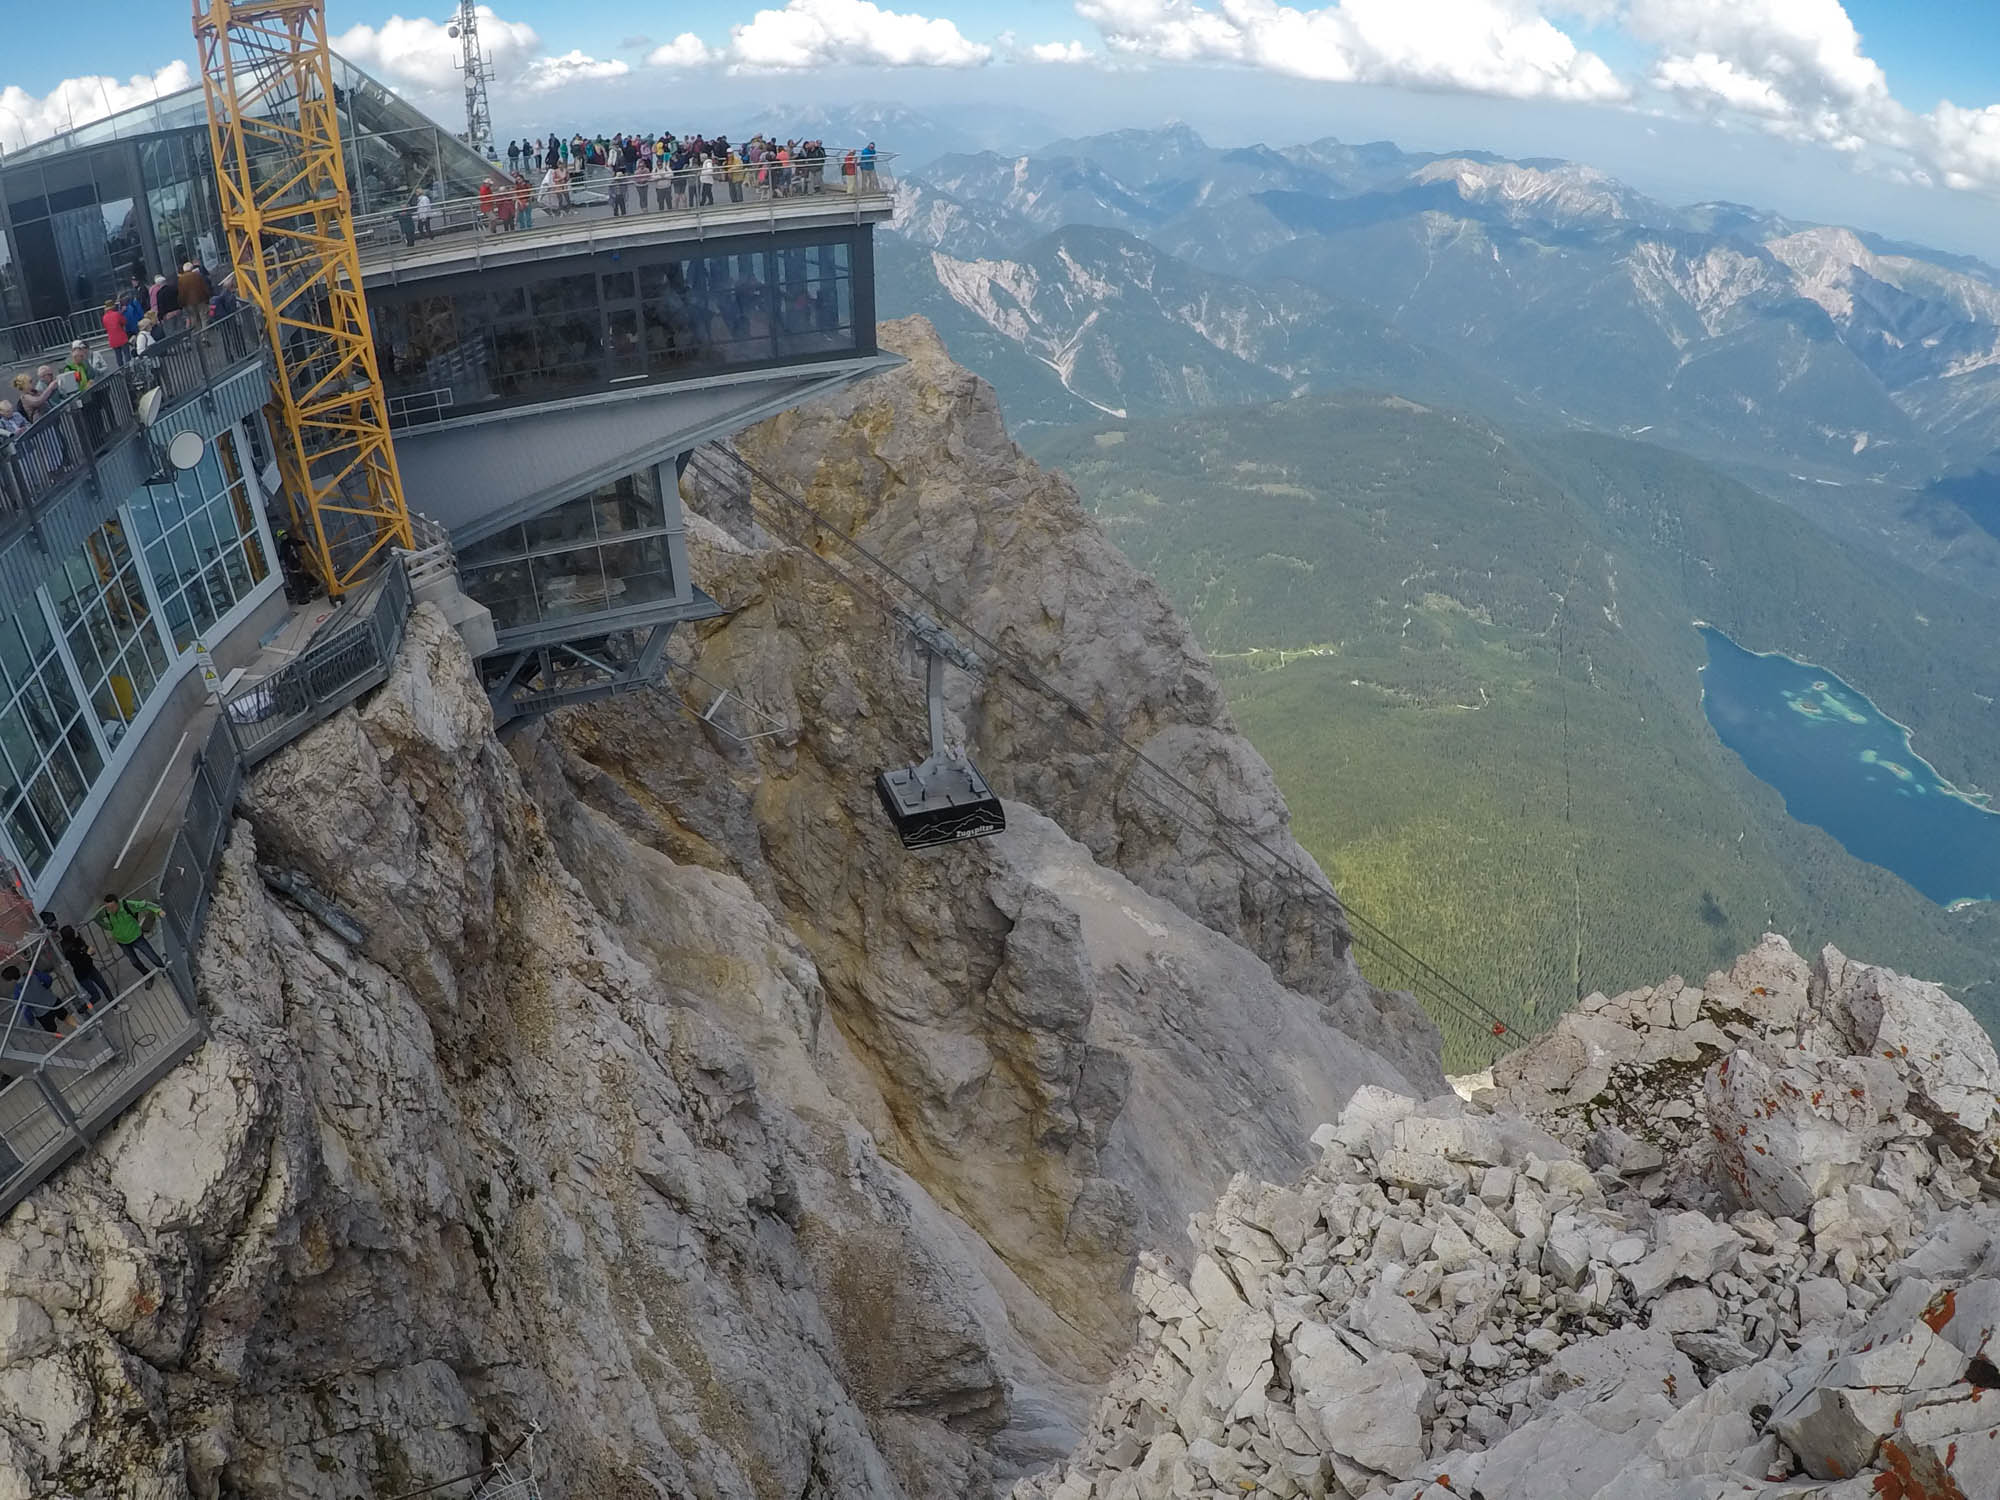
x=1844, y=766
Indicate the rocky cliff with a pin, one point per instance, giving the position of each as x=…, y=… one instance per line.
x=664, y=1101
x=1730, y=1240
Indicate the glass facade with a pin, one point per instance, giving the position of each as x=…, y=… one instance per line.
x=534, y=334
x=201, y=543
x=106, y=637
x=138, y=187
x=607, y=550
x=49, y=755
x=105, y=617
x=179, y=173
x=13, y=296
x=75, y=224
x=394, y=151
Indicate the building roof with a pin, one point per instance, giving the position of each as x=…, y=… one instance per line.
x=372, y=107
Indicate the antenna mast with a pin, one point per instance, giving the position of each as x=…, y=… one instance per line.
x=477, y=70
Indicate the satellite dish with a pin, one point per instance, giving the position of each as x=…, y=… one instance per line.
x=451, y=31
x=149, y=406
x=185, y=451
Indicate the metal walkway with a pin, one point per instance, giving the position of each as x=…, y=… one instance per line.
x=69, y=1089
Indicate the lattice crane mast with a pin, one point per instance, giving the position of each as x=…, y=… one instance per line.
x=274, y=124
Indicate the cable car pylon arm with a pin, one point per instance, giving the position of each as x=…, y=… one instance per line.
x=942, y=799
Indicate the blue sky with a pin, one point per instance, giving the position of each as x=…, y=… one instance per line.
x=1818, y=108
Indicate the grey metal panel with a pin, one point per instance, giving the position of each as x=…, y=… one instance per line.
x=122, y=471
x=632, y=617
x=228, y=400
x=22, y=567
x=478, y=478
x=474, y=253
x=66, y=521
x=71, y=520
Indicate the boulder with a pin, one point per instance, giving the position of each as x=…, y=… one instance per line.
x=1787, y=1134
x=1941, y=1053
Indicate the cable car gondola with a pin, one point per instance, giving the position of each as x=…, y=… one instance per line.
x=943, y=798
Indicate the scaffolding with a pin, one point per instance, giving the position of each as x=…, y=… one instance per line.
x=274, y=123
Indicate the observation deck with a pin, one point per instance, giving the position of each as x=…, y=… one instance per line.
x=548, y=371
x=67, y=474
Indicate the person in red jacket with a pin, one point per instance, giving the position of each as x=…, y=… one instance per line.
x=115, y=332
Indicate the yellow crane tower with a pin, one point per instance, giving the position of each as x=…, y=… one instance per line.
x=275, y=127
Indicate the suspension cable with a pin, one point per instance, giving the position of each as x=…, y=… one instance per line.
x=1424, y=978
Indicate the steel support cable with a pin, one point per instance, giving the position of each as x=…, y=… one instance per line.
x=1412, y=973
x=1428, y=980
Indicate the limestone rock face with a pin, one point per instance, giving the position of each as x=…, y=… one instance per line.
x=658, y=1097
x=1035, y=1039
x=1790, y=1294
x=917, y=465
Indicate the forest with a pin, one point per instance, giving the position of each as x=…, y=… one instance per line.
x=1469, y=656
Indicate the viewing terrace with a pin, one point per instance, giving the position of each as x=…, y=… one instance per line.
x=605, y=212
x=63, y=476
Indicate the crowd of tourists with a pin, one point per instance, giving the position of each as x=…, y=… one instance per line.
x=645, y=173
x=55, y=980
x=144, y=314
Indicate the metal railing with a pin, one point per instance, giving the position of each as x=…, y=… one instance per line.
x=324, y=678
x=92, y=1074
x=74, y=1086
x=187, y=878
x=68, y=439
x=604, y=198
x=39, y=337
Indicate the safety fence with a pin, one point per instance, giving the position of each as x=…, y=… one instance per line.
x=327, y=676
x=69, y=1088
x=68, y=439
x=40, y=336
x=605, y=198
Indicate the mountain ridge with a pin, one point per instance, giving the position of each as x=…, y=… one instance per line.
x=1739, y=335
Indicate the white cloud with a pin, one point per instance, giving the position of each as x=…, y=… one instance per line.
x=26, y=117
x=1793, y=67
x=826, y=33
x=685, y=51
x=574, y=66
x=422, y=56
x=421, y=53
x=1502, y=47
x=1962, y=146
x=1061, y=52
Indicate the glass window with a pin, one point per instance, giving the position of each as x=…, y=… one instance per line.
x=638, y=570
x=506, y=590
x=507, y=543
x=569, y=583
x=201, y=548
x=13, y=300
x=551, y=335
x=49, y=755
x=606, y=550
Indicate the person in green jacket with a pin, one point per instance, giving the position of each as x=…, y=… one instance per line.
x=125, y=921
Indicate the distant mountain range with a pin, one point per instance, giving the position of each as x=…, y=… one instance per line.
x=1147, y=272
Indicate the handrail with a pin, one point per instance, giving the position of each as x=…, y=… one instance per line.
x=65, y=440
x=49, y=1114
x=34, y=941
x=394, y=235
x=39, y=336
x=266, y=715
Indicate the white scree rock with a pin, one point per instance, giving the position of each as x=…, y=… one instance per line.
x=1779, y=1284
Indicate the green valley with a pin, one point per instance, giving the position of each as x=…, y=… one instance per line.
x=1469, y=657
